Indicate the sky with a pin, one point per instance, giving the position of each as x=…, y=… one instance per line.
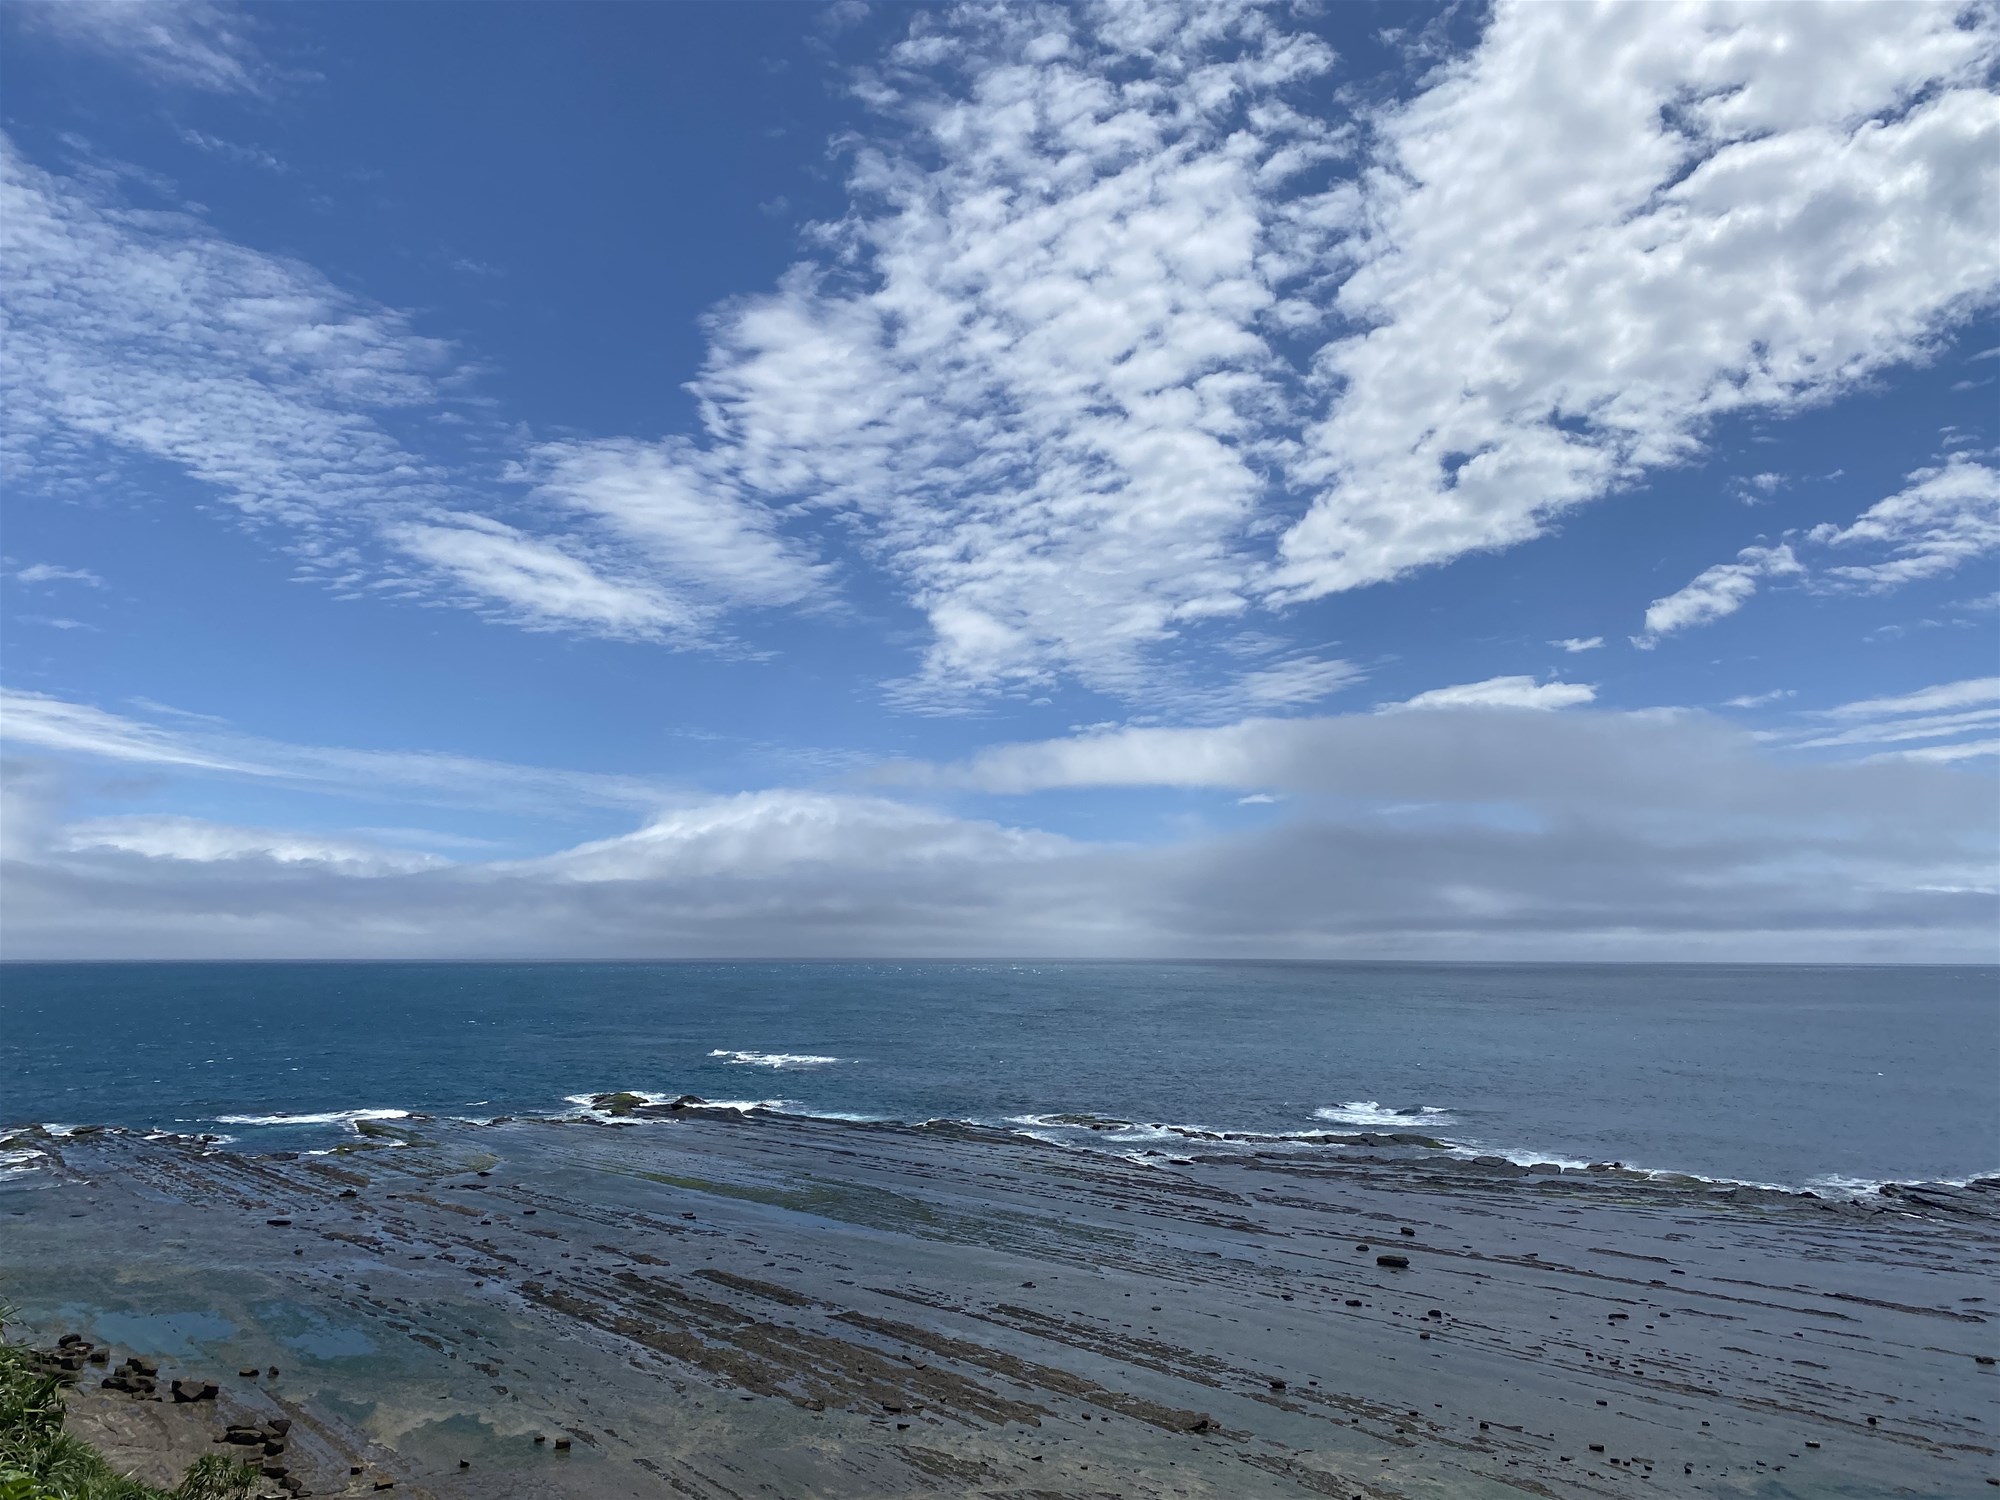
x=611, y=481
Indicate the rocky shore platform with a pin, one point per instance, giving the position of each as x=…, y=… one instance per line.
x=659, y=1302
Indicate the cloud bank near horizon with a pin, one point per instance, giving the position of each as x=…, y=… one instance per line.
x=1458, y=828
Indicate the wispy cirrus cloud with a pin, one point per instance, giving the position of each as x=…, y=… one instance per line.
x=53, y=573
x=204, y=44
x=146, y=335
x=1500, y=692
x=197, y=744
x=1948, y=711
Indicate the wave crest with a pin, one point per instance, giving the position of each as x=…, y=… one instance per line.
x=774, y=1059
x=1372, y=1112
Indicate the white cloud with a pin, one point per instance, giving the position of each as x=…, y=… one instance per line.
x=1039, y=359
x=1051, y=368
x=1033, y=363
x=1760, y=700
x=693, y=531
x=1607, y=226
x=1944, y=518
x=1502, y=692
x=1719, y=591
x=763, y=834
x=202, y=842
x=50, y=573
x=199, y=43
x=39, y=722
x=1577, y=643
x=535, y=582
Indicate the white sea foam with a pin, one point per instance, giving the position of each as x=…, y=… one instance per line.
x=1370, y=1112
x=331, y=1117
x=775, y=1059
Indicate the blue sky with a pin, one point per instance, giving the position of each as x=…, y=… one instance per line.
x=623, y=481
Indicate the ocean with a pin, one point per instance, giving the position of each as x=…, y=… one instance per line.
x=1831, y=1079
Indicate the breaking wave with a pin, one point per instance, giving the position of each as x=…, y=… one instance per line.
x=1368, y=1112
x=774, y=1059
x=330, y=1117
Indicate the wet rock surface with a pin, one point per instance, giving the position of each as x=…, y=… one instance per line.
x=692, y=1303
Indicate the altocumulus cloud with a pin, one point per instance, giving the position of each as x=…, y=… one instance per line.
x=1456, y=828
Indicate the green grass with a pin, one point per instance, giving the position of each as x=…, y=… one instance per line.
x=40, y=1461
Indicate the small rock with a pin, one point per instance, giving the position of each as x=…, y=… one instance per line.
x=248, y=1372
x=279, y=1223
x=1407, y=1231
x=1394, y=1262
x=562, y=1445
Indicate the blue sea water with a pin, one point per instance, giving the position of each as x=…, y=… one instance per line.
x=1828, y=1077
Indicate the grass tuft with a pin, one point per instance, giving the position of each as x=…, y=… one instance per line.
x=40, y=1461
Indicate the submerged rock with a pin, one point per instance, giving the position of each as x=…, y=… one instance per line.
x=619, y=1104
